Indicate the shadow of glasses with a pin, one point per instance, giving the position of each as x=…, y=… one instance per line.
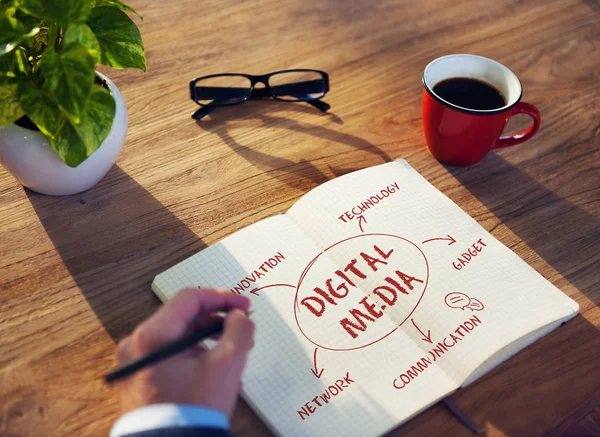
x=306, y=175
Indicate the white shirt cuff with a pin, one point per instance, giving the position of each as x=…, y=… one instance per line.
x=160, y=416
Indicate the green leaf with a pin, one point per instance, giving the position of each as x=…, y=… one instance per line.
x=29, y=21
x=116, y=4
x=119, y=38
x=12, y=33
x=82, y=34
x=75, y=143
x=10, y=108
x=61, y=12
x=7, y=7
x=72, y=142
x=96, y=120
x=14, y=64
x=41, y=109
x=69, y=76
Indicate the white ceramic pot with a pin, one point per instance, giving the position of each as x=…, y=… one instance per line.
x=28, y=157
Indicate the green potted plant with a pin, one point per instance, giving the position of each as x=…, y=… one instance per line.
x=62, y=123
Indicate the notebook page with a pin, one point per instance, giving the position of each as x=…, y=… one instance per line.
x=297, y=387
x=245, y=261
x=478, y=296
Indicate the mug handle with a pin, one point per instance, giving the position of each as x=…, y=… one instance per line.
x=524, y=135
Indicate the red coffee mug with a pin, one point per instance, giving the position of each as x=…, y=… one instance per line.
x=462, y=136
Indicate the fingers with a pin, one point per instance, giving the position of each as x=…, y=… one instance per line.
x=204, y=320
x=189, y=302
x=174, y=319
x=238, y=335
x=125, y=353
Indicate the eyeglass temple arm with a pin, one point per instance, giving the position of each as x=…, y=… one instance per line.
x=319, y=104
x=299, y=90
x=202, y=112
x=259, y=93
x=205, y=110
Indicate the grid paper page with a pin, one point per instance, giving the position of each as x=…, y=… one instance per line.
x=476, y=297
x=298, y=388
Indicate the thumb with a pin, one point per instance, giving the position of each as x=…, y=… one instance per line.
x=238, y=334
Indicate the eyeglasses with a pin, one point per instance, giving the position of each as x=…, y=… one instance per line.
x=233, y=89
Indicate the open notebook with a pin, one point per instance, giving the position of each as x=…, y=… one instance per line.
x=374, y=297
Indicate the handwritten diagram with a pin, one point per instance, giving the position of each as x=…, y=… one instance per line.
x=394, y=272
x=344, y=293
x=360, y=290
x=357, y=212
x=450, y=240
x=461, y=301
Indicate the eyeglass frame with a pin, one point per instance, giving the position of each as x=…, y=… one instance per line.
x=263, y=92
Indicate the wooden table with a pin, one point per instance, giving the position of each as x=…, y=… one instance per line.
x=75, y=272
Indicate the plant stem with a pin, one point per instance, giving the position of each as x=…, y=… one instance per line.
x=53, y=36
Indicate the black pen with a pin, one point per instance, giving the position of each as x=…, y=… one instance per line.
x=165, y=352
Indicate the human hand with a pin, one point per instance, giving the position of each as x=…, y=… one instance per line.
x=208, y=378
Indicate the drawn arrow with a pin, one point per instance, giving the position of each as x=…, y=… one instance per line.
x=256, y=290
x=296, y=305
x=427, y=337
x=450, y=239
x=315, y=371
x=361, y=219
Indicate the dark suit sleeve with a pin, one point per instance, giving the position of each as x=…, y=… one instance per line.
x=182, y=432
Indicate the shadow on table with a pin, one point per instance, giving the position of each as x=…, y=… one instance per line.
x=114, y=239
x=301, y=175
x=594, y=5
x=562, y=233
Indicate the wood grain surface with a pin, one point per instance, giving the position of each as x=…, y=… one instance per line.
x=75, y=272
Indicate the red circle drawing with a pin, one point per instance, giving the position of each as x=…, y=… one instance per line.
x=458, y=300
x=314, y=260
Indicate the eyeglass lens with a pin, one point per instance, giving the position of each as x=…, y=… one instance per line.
x=297, y=85
x=222, y=90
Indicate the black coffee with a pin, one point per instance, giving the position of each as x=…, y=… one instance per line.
x=470, y=93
